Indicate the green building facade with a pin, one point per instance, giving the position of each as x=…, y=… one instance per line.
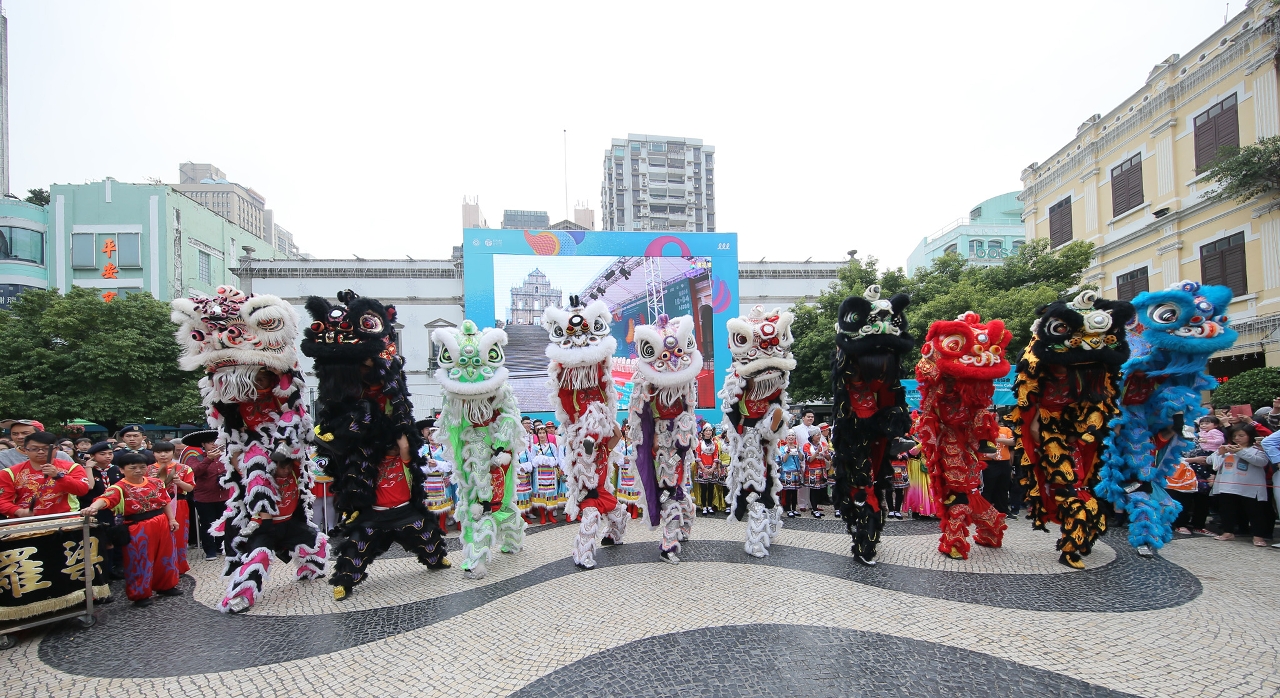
x=23, y=253
x=124, y=238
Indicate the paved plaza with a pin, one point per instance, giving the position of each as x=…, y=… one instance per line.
x=806, y=621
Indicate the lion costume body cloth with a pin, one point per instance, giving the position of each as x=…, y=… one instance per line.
x=252, y=393
x=870, y=410
x=364, y=422
x=959, y=361
x=586, y=403
x=754, y=400
x=1067, y=384
x=481, y=423
x=662, y=425
x=1176, y=330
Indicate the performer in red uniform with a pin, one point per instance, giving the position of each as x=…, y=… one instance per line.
x=179, y=480
x=959, y=361
x=40, y=485
x=150, y=564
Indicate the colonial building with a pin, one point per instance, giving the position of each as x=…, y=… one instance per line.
x=529, y=299
x=992, y=231
x=1132, y=181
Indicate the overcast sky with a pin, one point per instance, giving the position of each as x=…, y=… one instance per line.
x=836, y=125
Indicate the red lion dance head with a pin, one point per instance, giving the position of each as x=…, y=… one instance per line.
x=965, y=348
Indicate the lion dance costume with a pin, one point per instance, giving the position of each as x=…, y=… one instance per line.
x=481, y=424
x=365, y=424
x=1182, y=325
x=252, y=394
x=581, y=353
x=959, y=361
x=1066, y=388
x=754, y=400
x=662, y=425
x=870, y=411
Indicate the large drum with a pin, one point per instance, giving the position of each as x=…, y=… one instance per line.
x=42, y=565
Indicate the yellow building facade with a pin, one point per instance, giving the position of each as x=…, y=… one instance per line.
x=1132, y=183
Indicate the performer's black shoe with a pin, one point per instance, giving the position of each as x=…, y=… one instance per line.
x=104, y=600
x=668, y=556
x=863, y=560
x=143, y=603
x=1071, y=560
x=607, y=540
x=341, y=593
x=581, y=566
x=172, y=591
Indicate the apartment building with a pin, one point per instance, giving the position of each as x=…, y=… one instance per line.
x=658, y=183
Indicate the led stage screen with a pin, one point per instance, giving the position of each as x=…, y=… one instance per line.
x=512, y=275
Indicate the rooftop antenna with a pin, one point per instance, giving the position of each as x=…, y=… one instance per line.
x=566, y=174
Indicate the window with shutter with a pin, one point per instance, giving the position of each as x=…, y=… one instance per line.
x=1126, y=185
x=1222, y=263
x=1131, y=284
x=1216, y=128
x=1060, y=232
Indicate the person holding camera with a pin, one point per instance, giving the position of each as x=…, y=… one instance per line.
x=1240, y=485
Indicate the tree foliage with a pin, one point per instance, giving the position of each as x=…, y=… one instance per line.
x=39, y=197
x=1011, y=291
x=78, y=357
x=1240, y=174
x=1256, y=387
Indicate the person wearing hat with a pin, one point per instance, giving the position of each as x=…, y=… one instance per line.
x=41, y=485
x=131, y=439
x=209, y=498
x=19, y=430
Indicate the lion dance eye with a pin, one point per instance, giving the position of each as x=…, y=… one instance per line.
x=370, y=323
x=647, y=351
x=740, y=339
x=1165, y=313
x=953, y=343
x=494, y=354
x=445, y=357
x=1058, y=327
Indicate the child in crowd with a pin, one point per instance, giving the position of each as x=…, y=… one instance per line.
x=790, y=467
x=180, y=480
x=898, y=451
x=1210, y=436
x=143, y=504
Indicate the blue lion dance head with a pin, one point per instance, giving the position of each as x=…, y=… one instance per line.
x=1185, y=318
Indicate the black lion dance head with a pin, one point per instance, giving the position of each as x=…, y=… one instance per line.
x=348, y=339
x=1084, y=330
x=873, y=333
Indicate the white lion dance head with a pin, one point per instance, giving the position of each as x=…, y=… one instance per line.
x=761, y=343
x=667, y=352
x=231, y=335
x=471, y=369
x=579, y=335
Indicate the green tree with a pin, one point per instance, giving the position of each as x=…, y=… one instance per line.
x=1011, y=291
x=39, y=197
x=1244, y=173
x=1256, y=387
x=78, y=357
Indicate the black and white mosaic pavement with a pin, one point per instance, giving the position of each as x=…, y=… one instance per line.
x=783, y=661
x=1007, y=622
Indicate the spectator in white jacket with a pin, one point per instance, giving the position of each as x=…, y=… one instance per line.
x=1240, y=485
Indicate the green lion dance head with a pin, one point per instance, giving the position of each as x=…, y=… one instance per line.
x=471, y=361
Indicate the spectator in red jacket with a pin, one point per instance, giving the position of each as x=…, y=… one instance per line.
x=41, y=485
x=209, y=496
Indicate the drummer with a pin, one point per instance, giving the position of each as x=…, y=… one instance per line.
x=40, y=485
